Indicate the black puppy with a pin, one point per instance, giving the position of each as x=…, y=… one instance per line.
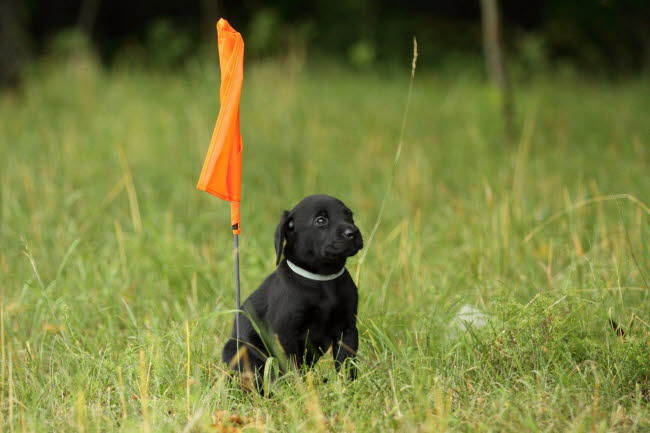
x=309, y=303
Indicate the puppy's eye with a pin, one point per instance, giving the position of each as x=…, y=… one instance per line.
x=320, y=221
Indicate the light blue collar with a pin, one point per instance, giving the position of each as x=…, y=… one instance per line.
x=310, y=275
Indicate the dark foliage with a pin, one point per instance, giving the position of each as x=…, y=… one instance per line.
x=594, y=35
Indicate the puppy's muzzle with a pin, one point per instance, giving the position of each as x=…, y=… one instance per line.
x=349, y=241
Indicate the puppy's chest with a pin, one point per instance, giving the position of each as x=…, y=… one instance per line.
x=323, y=308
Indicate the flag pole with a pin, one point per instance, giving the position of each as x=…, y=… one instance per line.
x=234, y=219
x=237, y=301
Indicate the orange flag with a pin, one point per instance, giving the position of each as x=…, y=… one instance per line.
x=221, y=173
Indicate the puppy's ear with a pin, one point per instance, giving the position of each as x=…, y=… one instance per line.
x=286, y=223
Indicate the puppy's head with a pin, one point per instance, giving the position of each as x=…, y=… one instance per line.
x=318, y=234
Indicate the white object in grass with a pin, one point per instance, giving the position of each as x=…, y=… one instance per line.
x=468, y=317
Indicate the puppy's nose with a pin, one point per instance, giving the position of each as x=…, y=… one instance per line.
x=350, y=232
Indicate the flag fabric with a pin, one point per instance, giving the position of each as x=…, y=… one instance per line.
x=221, y=173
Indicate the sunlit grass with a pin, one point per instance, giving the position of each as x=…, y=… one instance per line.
x=112, y=265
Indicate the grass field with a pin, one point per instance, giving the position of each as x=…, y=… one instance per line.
x=116, y=274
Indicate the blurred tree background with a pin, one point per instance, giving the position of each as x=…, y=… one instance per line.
x=603, y=37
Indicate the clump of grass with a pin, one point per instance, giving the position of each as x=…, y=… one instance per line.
x=565, y=336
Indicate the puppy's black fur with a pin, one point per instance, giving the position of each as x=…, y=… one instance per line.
x=306, y=317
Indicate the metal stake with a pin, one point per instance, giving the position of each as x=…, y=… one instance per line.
x=237, y=301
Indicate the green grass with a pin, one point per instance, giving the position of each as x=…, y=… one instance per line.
x=113, y=267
